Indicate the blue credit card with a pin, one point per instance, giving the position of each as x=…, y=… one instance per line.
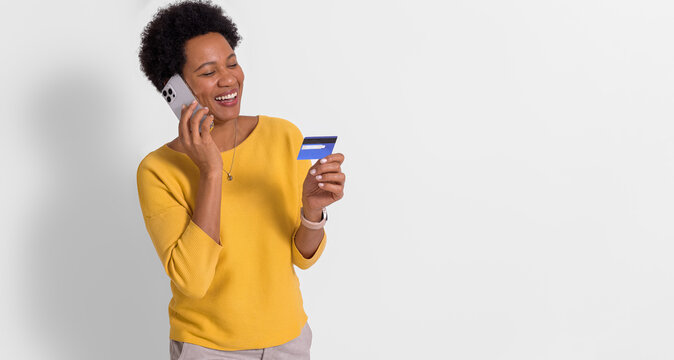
x=316, y=147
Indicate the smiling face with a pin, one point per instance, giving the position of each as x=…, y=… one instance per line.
x=214, y=75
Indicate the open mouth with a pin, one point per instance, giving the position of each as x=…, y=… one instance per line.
x=228, y=99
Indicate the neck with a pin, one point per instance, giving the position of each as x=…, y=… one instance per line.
x=223, y=133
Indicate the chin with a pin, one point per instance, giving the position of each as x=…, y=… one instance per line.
x=226, y=116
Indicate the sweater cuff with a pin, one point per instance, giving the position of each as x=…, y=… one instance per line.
x=194, y=231
x=304, y=263
x=194, y=262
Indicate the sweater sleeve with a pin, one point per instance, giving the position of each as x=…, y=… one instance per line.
x=189, y=255
x=299, y=260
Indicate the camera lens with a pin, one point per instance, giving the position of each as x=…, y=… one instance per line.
x=170, y=91
x=164, y=92
x=168, y=98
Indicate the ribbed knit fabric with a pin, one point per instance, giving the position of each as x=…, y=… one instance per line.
x=244, y=293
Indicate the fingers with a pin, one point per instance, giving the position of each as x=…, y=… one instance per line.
x=337, y=157
x=335, y=178
x=330, y=163
x=327, y=174
x=183, y=130
x=206, y=126
x=195, y=122
x=325, y=168
x=337, y=190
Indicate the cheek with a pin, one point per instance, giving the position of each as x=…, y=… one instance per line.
x=203, y=90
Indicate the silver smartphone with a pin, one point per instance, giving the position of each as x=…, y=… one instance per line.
x=177, y=93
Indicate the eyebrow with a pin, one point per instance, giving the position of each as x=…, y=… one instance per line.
x=212, y=62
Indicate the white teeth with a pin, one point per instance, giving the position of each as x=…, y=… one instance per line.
x=226, y=97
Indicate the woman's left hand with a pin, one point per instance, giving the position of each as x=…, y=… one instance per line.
x=324, y=183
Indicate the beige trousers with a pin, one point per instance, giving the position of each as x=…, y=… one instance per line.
x=295, y=349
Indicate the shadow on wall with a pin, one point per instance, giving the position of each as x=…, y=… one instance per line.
x=92, y=275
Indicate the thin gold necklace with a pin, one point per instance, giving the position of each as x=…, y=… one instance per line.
x=229, y=173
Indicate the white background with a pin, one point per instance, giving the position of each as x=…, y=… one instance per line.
x=509, y=163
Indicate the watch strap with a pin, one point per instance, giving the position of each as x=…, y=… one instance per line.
x=314, y=225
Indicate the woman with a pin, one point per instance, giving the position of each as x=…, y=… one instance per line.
x=229, y=209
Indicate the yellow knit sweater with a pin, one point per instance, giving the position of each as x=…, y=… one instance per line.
x=244, y=293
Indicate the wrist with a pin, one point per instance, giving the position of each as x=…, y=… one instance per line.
x=211, y=174
x=314, y=215
x=314, y=224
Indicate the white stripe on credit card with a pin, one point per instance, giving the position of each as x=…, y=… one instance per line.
x=313, y=147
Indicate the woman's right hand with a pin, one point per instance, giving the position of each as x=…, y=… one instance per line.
x=199, y=147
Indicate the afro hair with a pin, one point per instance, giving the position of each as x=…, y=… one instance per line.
x=162, y=48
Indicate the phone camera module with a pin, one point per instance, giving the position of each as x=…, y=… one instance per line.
x=163, y=92
x=170, y=91
x=168, y=98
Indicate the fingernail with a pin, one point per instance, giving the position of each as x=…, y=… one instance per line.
x=319, y=177
x=323, y=161
x=183, y=107
x=194, y=101
x=206, y=107
x=320, y=184
x=312, y=171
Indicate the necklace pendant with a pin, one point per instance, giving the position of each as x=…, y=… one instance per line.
x=229, y=177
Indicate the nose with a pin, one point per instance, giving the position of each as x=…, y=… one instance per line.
x=227, y=79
